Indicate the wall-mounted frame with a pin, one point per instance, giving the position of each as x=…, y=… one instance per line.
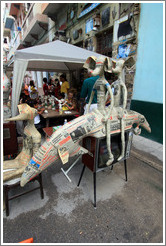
x=123, y=29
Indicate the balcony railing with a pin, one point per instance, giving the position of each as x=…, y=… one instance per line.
x=14, y=44
x=28, y=18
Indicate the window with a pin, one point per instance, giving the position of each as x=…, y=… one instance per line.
x=5, y=40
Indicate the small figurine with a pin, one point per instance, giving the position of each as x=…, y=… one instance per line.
x=45, y=102
x=61, y=102
x=52, y=103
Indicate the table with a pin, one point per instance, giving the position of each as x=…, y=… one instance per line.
x=48, y=131
x=54, y=114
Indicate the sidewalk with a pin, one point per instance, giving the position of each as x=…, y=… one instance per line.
x=149, y=146
x=127, y=212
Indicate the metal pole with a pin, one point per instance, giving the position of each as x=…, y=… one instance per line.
x=125, y=167
x=66, y=172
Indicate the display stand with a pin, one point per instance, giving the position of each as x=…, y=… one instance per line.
x=98, y=147
x=8, y=187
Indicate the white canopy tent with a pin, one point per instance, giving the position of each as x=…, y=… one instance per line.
x=55, y=56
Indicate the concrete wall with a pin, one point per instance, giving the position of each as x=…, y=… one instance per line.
x=148, y=84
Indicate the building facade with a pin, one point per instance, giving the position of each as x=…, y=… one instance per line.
x=93, y=26
x=111, y=29
x=148, y=83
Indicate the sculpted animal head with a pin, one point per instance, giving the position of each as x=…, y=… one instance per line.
x=144, y=123
x=119, y=64
x=97, y=66
x=26, y=113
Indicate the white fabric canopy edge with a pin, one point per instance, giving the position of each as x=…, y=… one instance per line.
x=20, y=67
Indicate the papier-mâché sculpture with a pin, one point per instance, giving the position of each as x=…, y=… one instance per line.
x=101, y=122
x=31, y=142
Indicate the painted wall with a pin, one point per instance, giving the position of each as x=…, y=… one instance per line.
x=148, y=83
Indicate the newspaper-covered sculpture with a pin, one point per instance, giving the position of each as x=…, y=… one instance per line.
x=119, y=99
x=101, y=122
x=120, y=87
x=65, y=142
x=98, y=67
x=6, y=93
x=31, y=142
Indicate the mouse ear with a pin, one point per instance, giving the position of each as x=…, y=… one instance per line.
x=129, y=62
x=90, y=63
x=107, y=65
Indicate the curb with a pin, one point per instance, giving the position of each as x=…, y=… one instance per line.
x=151, y=163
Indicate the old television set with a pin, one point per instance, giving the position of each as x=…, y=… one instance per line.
x=98, y=147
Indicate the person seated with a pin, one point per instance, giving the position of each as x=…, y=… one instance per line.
x=24, y=98
x=40, y=110
x=33, y=90
x=70, y=103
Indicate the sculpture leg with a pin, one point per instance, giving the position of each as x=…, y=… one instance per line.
x=111, y=157
x=122, y=140
x=90, y=101
x=13, y=174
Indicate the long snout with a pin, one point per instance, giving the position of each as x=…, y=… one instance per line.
x=18, y=117
x=146, y=126
x=141, y=121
